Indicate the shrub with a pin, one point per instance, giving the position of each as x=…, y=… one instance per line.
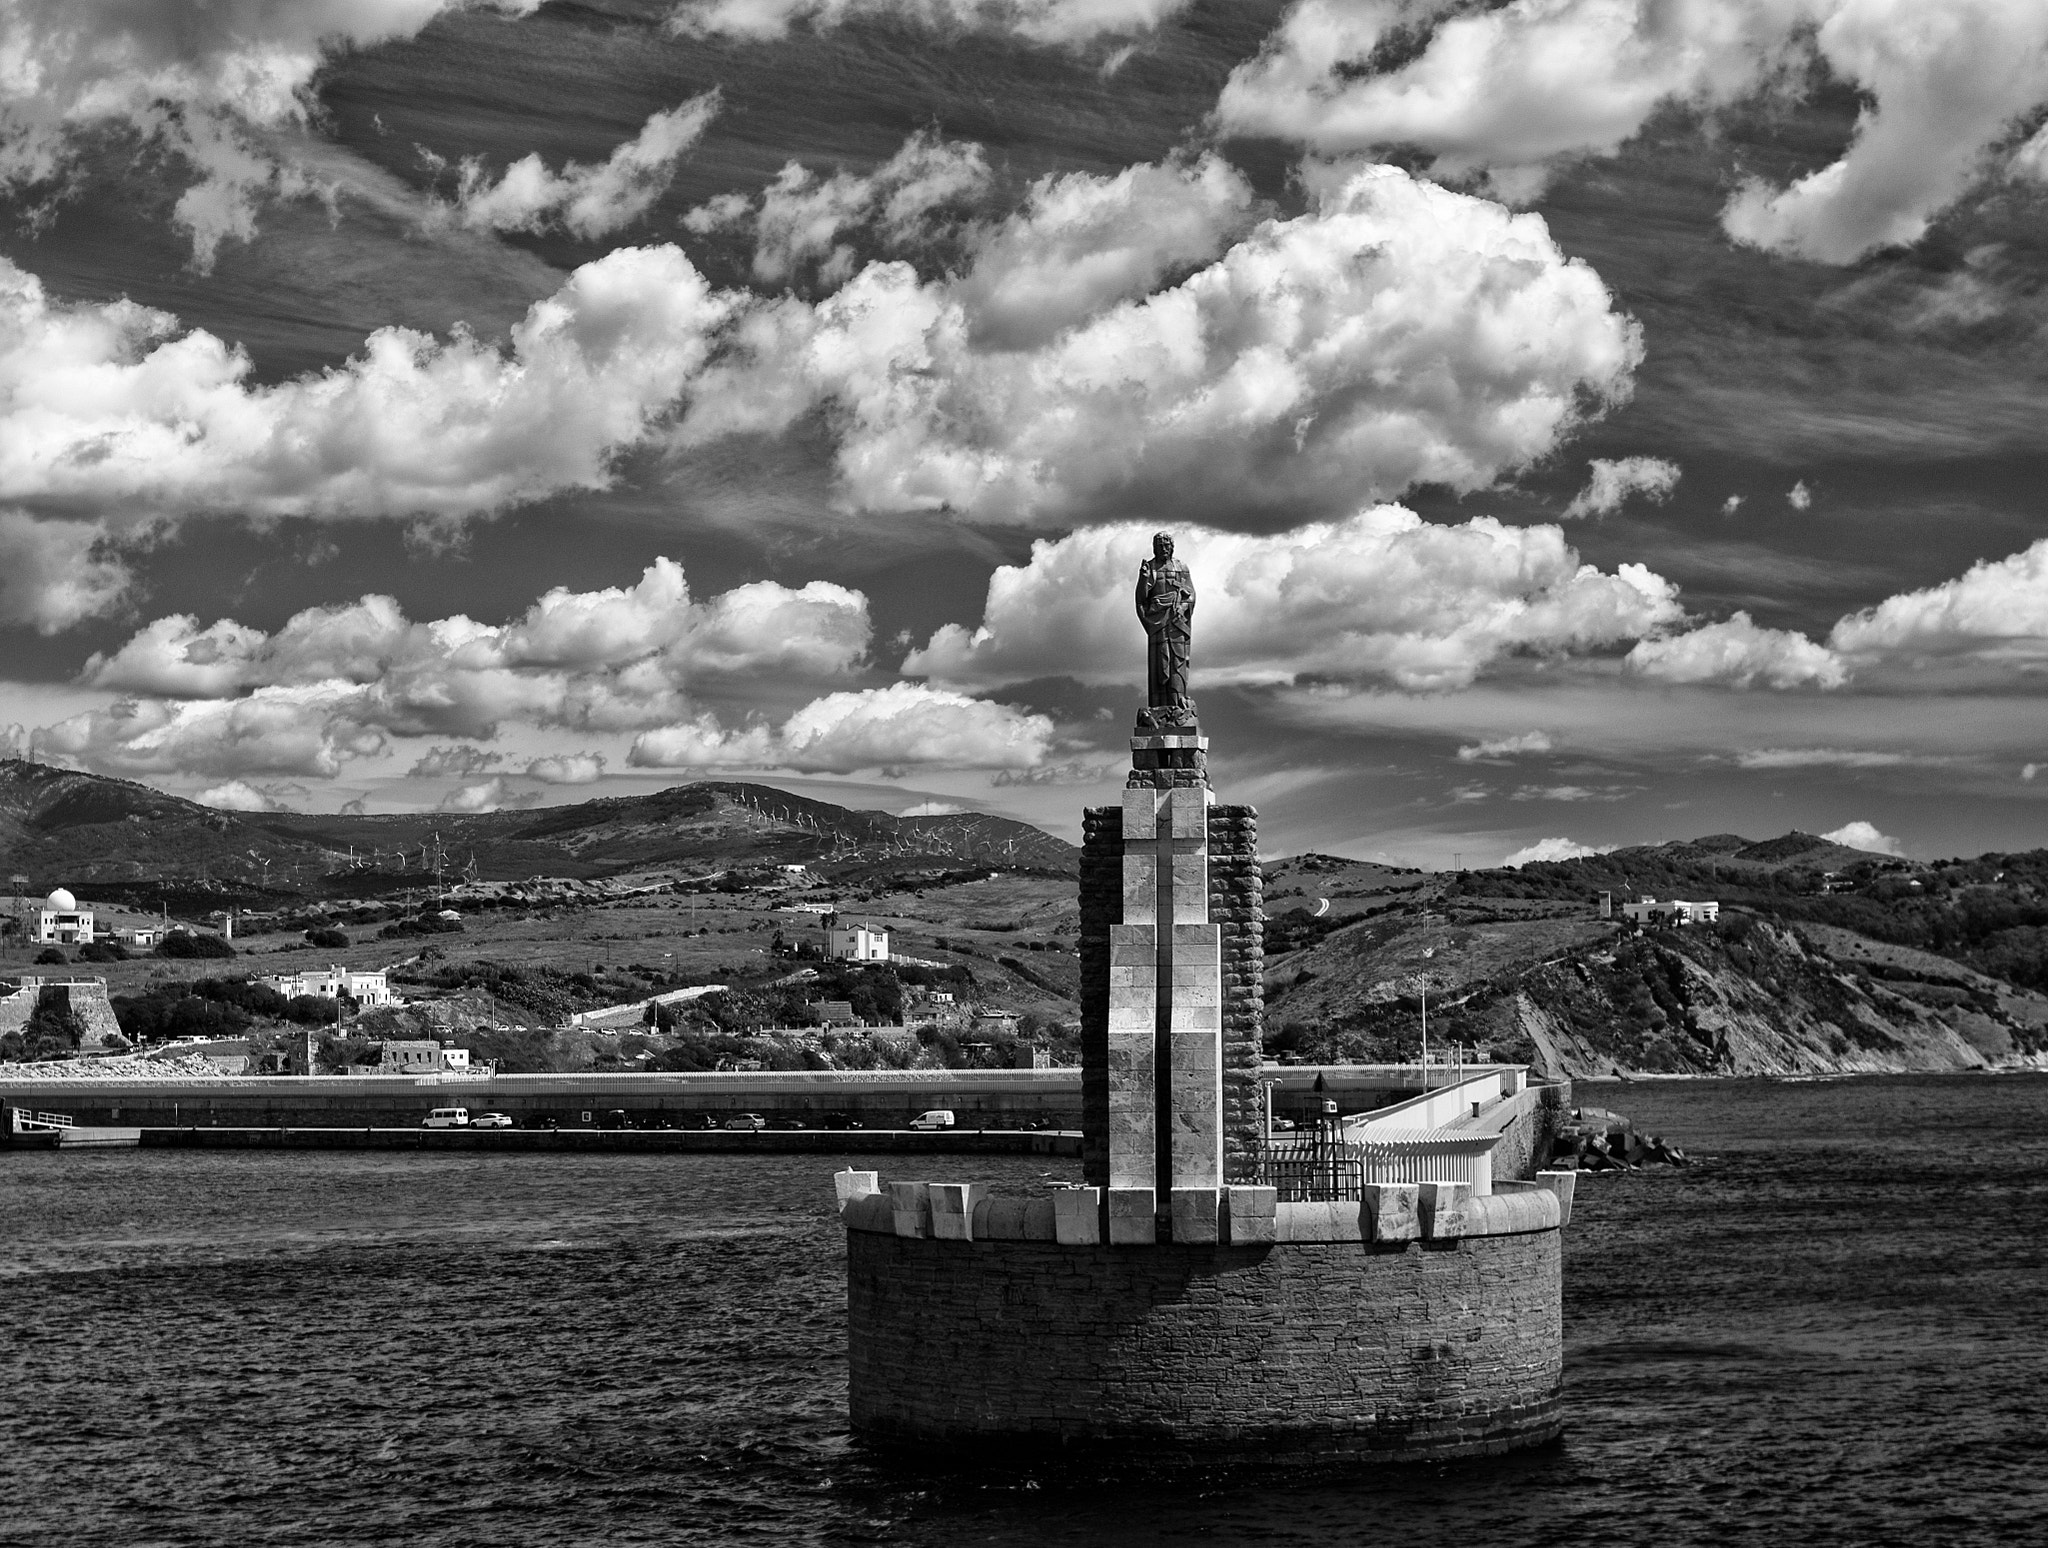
x=184, y=943
x=328, y=937
x=50, y=956
x=312, y=1010
x=103, y=951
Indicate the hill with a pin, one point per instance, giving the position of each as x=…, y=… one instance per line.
x=1825, y=959
x=113, y=839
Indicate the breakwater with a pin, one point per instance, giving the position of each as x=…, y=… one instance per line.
x=874, y=1099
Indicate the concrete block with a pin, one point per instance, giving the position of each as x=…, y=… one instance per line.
x=850, y=1185
x=1442, y=1207
x=1131, y=1212
x=1391, y=1212
x=1331, y=1220
x=952, y=1208
x=1040, y=1224
x=1140, y=821
x=1077, y=1216
x=911, y=1203
x=1194, y=1214
x=1249, y=1215
x=1563, y=1184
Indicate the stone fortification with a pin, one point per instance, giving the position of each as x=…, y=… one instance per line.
x=1343, y=1331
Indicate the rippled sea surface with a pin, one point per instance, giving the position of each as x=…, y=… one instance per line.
x=1833, y=1329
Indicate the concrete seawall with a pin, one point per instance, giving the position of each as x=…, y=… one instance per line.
x=864, y=1142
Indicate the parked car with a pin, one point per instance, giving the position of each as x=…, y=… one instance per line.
x=752, y=1121
x=934, y=1118
x=543, y=1121
x=491, y=1121
x=841, y=1121
x=615, y=1119
x=447, y=1118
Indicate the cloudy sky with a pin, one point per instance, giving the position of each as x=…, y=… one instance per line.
x=1588, y=421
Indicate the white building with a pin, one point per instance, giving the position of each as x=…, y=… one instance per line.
x=364, y=988
x=63, y=923
x=854, y=943
x=1648, y=911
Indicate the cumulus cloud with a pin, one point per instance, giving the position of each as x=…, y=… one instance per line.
x=460, y=762
x=1073, y=772
x=1380, y=595
x=1731, y=505
x=1799, y=497
x=2028, y=772
x=800, y=218
x=902, y=724
x=1995, y=614
x=567, y=769
x=1500, y=91
x=1041, y=21
x=1945, y=84
x=56, y=574
x=1738, y=651
x=1397, y=332
x=1504, y=92
x=305, y=731
x=1506, y=747
x=219, y=86
x=109, y=406
x=238, y=795
x=932, y=809
x=1863, y=835
x=617, y=658
x=1082, y=242
x=589, y=201
x=1555, y=849
x=492, y=795
x=1614, y=481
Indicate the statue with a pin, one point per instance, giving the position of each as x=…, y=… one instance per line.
x=1166, y=607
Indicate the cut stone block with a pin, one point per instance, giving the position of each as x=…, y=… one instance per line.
x=850, y=1185
x=1139, y=819
x=1249, y=1215
x=1389, y=1212
x=911, y=1203
x=1077, y=1216
x=871, y=1212
x=1039, y=1222
x=952, y=1206
x=1325, y=1220
x=1442, y=1207
x=1131, y=1212
x=1194, y=1214
x=1563, y=1184
x=1190, y=810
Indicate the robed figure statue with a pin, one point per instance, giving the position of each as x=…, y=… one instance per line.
x=1166, y=607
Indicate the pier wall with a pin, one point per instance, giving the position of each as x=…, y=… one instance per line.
x=1290, y=1350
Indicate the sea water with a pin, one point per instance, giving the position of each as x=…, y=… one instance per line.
x=1832, y=1329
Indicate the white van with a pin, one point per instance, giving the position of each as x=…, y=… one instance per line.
x=936, y=1118
x=447, y=1118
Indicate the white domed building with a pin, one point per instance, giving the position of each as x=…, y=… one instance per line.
x=63, y=922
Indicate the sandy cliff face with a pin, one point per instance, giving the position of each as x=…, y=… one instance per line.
x=1753, y=997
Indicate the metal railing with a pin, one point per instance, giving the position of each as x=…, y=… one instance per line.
x=25, y=1121
x=1317, y=1164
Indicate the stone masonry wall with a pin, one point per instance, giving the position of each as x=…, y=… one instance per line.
x=1297, y=1350
x=1237, y=903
